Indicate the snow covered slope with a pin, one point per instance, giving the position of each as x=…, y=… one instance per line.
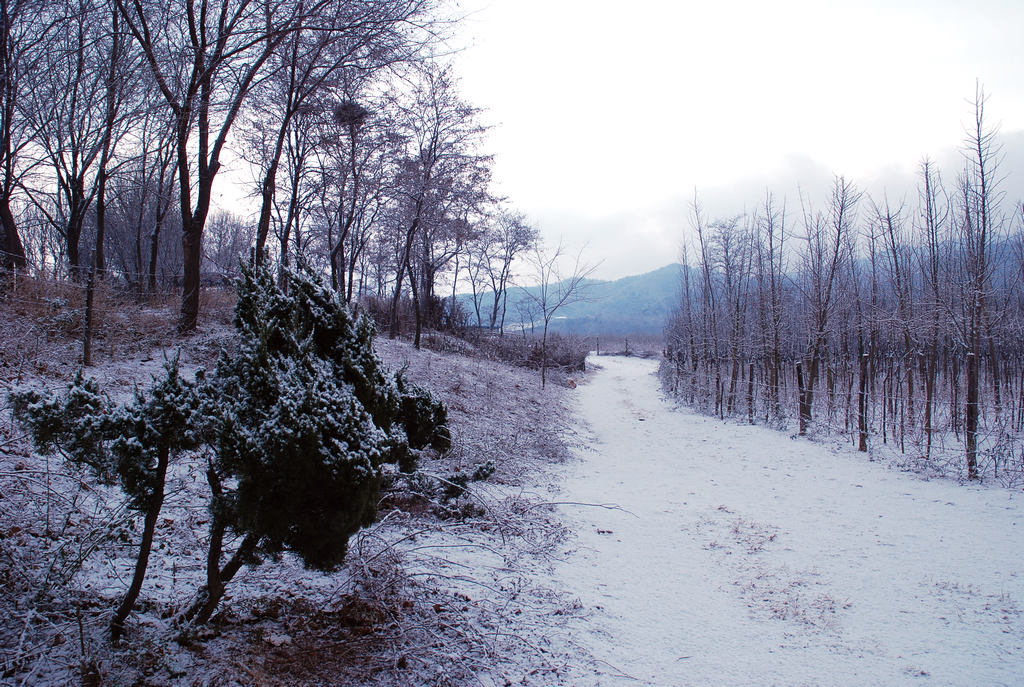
x=731, y=555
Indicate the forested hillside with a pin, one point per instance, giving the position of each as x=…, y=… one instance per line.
x=633, y=305
x=157, y=145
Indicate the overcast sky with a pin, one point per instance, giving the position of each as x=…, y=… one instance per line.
x=608, y=115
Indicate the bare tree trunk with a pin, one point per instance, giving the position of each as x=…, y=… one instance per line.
x=971, y=416
x=154, y=251
x=89, y=294
x=997, y=391
x=750, y=394
x=267, y=190
x=897, y=399
x=192, y=256
x=166, y=174
x=110, y=119
x=954, y=396
x=13, y=250
x=404, y=264
x=416, y=307
x=862, y=405
x=929, y=401
x=802, y=401
x=733, y=382
x=216, y=577
x=156, y=502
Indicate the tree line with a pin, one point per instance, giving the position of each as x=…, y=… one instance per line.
x=118, y=119
x=888, y=322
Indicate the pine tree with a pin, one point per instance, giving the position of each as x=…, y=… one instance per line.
x=302, y=418
x=132, y=444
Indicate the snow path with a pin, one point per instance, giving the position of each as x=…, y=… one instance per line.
x=742, y=556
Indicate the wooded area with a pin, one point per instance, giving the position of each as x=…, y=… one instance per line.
x=889, y=323
x=119, y=119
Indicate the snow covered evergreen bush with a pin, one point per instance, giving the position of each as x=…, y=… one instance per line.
x=131, y=443
x=305, y=417
x=298, y=422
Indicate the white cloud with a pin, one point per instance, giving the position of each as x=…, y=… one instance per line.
x=608, y=114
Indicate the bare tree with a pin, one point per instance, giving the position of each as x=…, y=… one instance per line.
x=510, y=237
x=358, y=150
x=682, y=348
x=141, y=206
x=323, y=57
x=823, y=256
x=478, y=258
x=979, y=226
x=732, y=243
x=120, y=112
x=25, y=26
x=350, y=198
x=66, y=93
x=206, y=60
x=291, y=210
x=770, y=270
x=892, y=229
x=79, y=107
x=904, y=325
x=710, y=341
x=442, y=175
x=933, y=216
x=556, y=286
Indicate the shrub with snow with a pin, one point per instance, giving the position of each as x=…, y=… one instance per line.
x=304, y=417
x=131, y=443
x=298, y=423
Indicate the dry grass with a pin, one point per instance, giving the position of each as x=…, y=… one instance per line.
x=566, y=355
x=44, y=326
x=498, y=412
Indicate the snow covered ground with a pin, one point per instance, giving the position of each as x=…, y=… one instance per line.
x=700, y=553
x=437, y=592
x=722, y=554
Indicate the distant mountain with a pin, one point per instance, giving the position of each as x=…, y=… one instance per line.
x=640, y=304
